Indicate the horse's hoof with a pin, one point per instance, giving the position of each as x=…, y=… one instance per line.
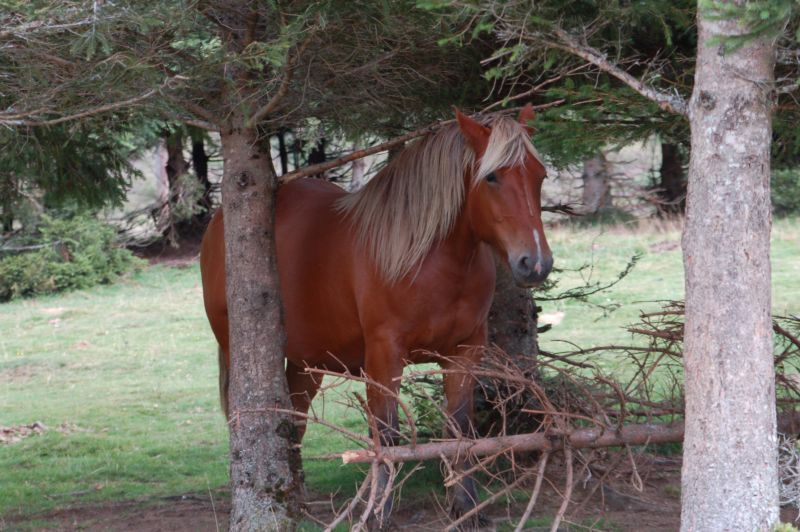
x=478, y=521
x=380, y=525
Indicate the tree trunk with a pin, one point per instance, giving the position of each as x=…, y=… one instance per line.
x=161, y=214
x=175, y=168
x=7, y=224
x=282, y=153
x=672, y=188
x=359, y=171
x=317, y=156
x=596, y=186
x=512, y=319
x=200, y=165
x=8, y=194
x=297, y=151
x=266, y=475
x=730, y=478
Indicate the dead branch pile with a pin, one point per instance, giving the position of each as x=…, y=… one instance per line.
x=598, y=410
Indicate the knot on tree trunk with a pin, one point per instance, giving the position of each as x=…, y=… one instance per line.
x=244, y=179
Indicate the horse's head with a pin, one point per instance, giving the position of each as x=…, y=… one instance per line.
x=504, y=199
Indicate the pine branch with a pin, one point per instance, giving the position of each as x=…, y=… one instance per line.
x=592, y=438
x=17, y=120
x=283, y=89
x=672, y=103
x=385, y=146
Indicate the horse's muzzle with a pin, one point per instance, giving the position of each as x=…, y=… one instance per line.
x=531, y=271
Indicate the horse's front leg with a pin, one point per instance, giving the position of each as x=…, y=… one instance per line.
x=459, y=388
x=303, y=387
x=384, y=367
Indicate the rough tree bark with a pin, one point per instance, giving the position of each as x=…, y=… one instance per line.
x=266, y=475
x=730, y=478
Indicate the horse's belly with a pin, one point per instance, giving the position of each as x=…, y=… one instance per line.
x=315, y=344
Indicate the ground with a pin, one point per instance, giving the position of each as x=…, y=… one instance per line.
x=657, y=507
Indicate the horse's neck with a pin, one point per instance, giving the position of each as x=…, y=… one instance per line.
x=462, y=243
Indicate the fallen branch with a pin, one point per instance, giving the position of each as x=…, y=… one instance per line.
x=641, y=434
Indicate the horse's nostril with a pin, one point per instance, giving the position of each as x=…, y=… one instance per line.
x=525, y=263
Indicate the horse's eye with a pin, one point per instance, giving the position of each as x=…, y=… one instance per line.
x=491, y=178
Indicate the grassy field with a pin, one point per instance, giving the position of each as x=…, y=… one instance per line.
x=124, y=376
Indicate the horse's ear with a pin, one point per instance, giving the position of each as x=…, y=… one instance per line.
x=477, y=135
x=526, y=116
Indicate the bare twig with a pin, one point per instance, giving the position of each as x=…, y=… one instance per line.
x=535, y=495
x=567, y=497
x=348, y=511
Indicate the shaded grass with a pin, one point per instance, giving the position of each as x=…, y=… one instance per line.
x=130, y=370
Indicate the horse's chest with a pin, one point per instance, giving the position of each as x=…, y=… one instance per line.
x=457, y=321
x=443, y=320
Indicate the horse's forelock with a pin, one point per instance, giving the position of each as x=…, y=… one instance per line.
x=509, y=145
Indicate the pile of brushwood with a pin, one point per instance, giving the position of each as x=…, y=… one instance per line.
x=595, y=409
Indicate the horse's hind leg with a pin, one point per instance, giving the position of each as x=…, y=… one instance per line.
x=459, y=388
x=303, y=386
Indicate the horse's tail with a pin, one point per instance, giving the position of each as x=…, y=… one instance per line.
x=224, y=381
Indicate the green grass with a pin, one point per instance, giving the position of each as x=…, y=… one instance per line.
x=129, y=370
x=658, y=276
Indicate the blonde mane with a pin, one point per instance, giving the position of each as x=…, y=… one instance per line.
x=413, y=203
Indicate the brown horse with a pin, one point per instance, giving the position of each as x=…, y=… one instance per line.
x=402, y=268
